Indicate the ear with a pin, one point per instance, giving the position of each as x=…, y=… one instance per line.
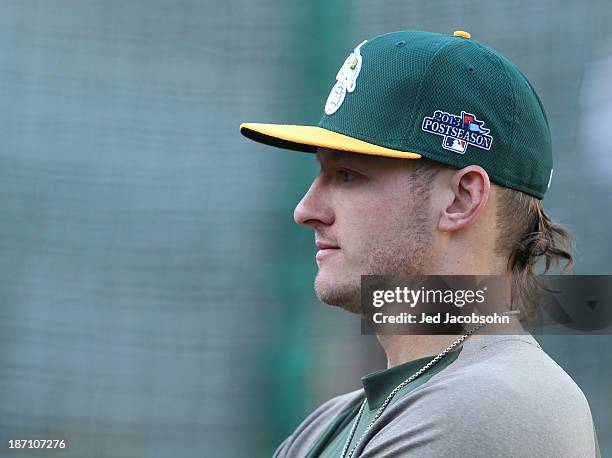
x=470, y=188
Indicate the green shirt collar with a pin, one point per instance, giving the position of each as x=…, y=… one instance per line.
x=378, y=385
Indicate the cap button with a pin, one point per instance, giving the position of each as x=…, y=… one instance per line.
x=462, y=34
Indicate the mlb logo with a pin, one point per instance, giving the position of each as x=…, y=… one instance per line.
x=454, y=144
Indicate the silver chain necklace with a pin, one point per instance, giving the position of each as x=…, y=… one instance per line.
x=402, y=385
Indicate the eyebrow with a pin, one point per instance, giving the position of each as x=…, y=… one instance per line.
x=336, y=156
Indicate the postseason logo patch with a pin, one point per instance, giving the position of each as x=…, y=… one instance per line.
x=458, y=131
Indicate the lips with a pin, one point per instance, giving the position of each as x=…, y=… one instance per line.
x=323, y=245
x=326, y=248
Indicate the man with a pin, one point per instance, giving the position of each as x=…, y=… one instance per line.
x=435, y=153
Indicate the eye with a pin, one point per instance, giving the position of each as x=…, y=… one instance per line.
x=346, y=175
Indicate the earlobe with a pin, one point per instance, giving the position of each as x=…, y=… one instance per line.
x=470, y=189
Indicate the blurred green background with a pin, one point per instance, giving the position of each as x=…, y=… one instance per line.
x=156, y=295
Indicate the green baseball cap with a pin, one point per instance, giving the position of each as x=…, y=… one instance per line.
x=448, y=98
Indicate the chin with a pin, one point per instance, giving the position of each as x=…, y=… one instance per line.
x=339, y=293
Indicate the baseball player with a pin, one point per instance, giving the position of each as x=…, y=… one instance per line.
x=435, y=154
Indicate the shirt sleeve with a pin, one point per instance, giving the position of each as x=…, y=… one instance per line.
x=486, y=418
x=281, y=451
x=301, y=441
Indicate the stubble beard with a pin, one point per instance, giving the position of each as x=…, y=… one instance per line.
x=403, y=254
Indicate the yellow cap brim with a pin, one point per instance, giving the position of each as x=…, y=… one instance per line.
x=308, y=138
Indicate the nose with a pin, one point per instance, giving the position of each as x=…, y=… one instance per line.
x=314, y=208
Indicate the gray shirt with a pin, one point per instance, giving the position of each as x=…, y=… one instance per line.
x=499, y=395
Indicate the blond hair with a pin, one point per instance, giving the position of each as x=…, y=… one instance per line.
x=527, y=235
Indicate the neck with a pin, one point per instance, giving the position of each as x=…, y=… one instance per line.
x=400, y=349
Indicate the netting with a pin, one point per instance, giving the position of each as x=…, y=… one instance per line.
x=156, y=295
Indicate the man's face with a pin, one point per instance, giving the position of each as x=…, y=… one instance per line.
x=368, y=220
